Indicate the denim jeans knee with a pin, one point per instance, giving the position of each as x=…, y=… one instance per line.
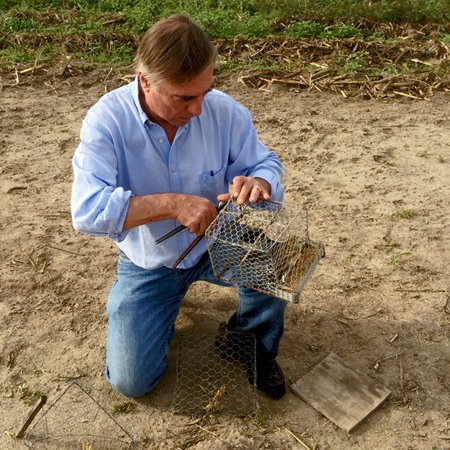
x=142, y=308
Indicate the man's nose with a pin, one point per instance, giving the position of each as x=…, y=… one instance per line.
x=195, y=107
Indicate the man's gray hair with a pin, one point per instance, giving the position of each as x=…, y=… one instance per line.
x=174, y=49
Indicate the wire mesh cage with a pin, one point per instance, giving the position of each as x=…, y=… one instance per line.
x=216, y=374
x=77, y=421
x=264, y=246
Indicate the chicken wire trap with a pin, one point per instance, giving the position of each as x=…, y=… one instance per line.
x=263, y=246
x=216, y=374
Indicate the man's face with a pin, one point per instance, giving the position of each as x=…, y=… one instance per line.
x=175, y=104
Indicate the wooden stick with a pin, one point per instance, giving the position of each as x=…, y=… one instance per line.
x=297, y=438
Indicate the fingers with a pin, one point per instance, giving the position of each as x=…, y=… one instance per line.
x=250, y=189
x=195, y=213
x=255, y=193
x=224, y=198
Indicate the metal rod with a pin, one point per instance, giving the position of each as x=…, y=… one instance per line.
x=187, y=251
x=170, y=234
x=30, y=418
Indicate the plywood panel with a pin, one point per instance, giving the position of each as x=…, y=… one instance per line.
x=339, y=393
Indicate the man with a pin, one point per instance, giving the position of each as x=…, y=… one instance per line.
x=155, y=154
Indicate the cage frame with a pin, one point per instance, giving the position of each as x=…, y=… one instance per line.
x=212, y=237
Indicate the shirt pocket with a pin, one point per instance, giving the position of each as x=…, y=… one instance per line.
x=212, y=183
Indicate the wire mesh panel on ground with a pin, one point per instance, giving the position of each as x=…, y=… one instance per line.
x=264, y=246
x=76, y=421
x=216, y=374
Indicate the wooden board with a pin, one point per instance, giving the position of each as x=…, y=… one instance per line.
x=339, y=393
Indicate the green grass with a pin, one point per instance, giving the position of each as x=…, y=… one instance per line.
x=27, y=395
x=311, y=29
x=404, y=214
x=395, y=259
x=56, y=21
x=123, y=407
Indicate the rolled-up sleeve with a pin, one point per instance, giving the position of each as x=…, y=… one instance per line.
x=98, y=205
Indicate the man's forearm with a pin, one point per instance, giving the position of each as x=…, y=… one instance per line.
x=192, y=211
x=150, y=208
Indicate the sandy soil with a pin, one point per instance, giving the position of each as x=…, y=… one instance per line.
x=379, y=299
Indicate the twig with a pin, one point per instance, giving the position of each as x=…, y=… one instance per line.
x=446, y=307
x=316, y=76
x=31, y=262
x=393, y=338
x=287, y=81
x=350, y=318
x=113, y=20
x=213, y=434
x=31, y=69
x=42, y=269
x=419, y=290
x=66, y=65
x=403, y=94
x=107, y=76
x=357, y=82
x=379, y=360
x=363, y=317
x=297, y=438
x=66, y=251
x=57, y=214
x=50, y=85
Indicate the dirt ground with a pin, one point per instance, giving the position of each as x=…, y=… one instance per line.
x=374, y=176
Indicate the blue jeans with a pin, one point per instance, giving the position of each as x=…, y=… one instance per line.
x=142, y=308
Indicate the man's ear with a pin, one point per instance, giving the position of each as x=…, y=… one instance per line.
x=145, y=84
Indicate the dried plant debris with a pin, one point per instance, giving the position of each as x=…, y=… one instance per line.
x=390, y=61
x=350, y=67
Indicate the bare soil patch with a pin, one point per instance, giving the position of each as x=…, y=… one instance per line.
x=373, y=175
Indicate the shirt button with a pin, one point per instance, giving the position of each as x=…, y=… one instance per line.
x=173, y=169
x=161, y=140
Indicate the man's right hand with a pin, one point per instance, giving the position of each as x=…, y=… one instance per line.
x=195, y=213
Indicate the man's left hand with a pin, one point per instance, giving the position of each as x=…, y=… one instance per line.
x=247, y=189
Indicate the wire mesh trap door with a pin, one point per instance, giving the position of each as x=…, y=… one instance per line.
x=264, y=246
x=76, y=421
x=216, y=374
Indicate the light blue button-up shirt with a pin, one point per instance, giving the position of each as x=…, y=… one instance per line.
x=122, y=153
